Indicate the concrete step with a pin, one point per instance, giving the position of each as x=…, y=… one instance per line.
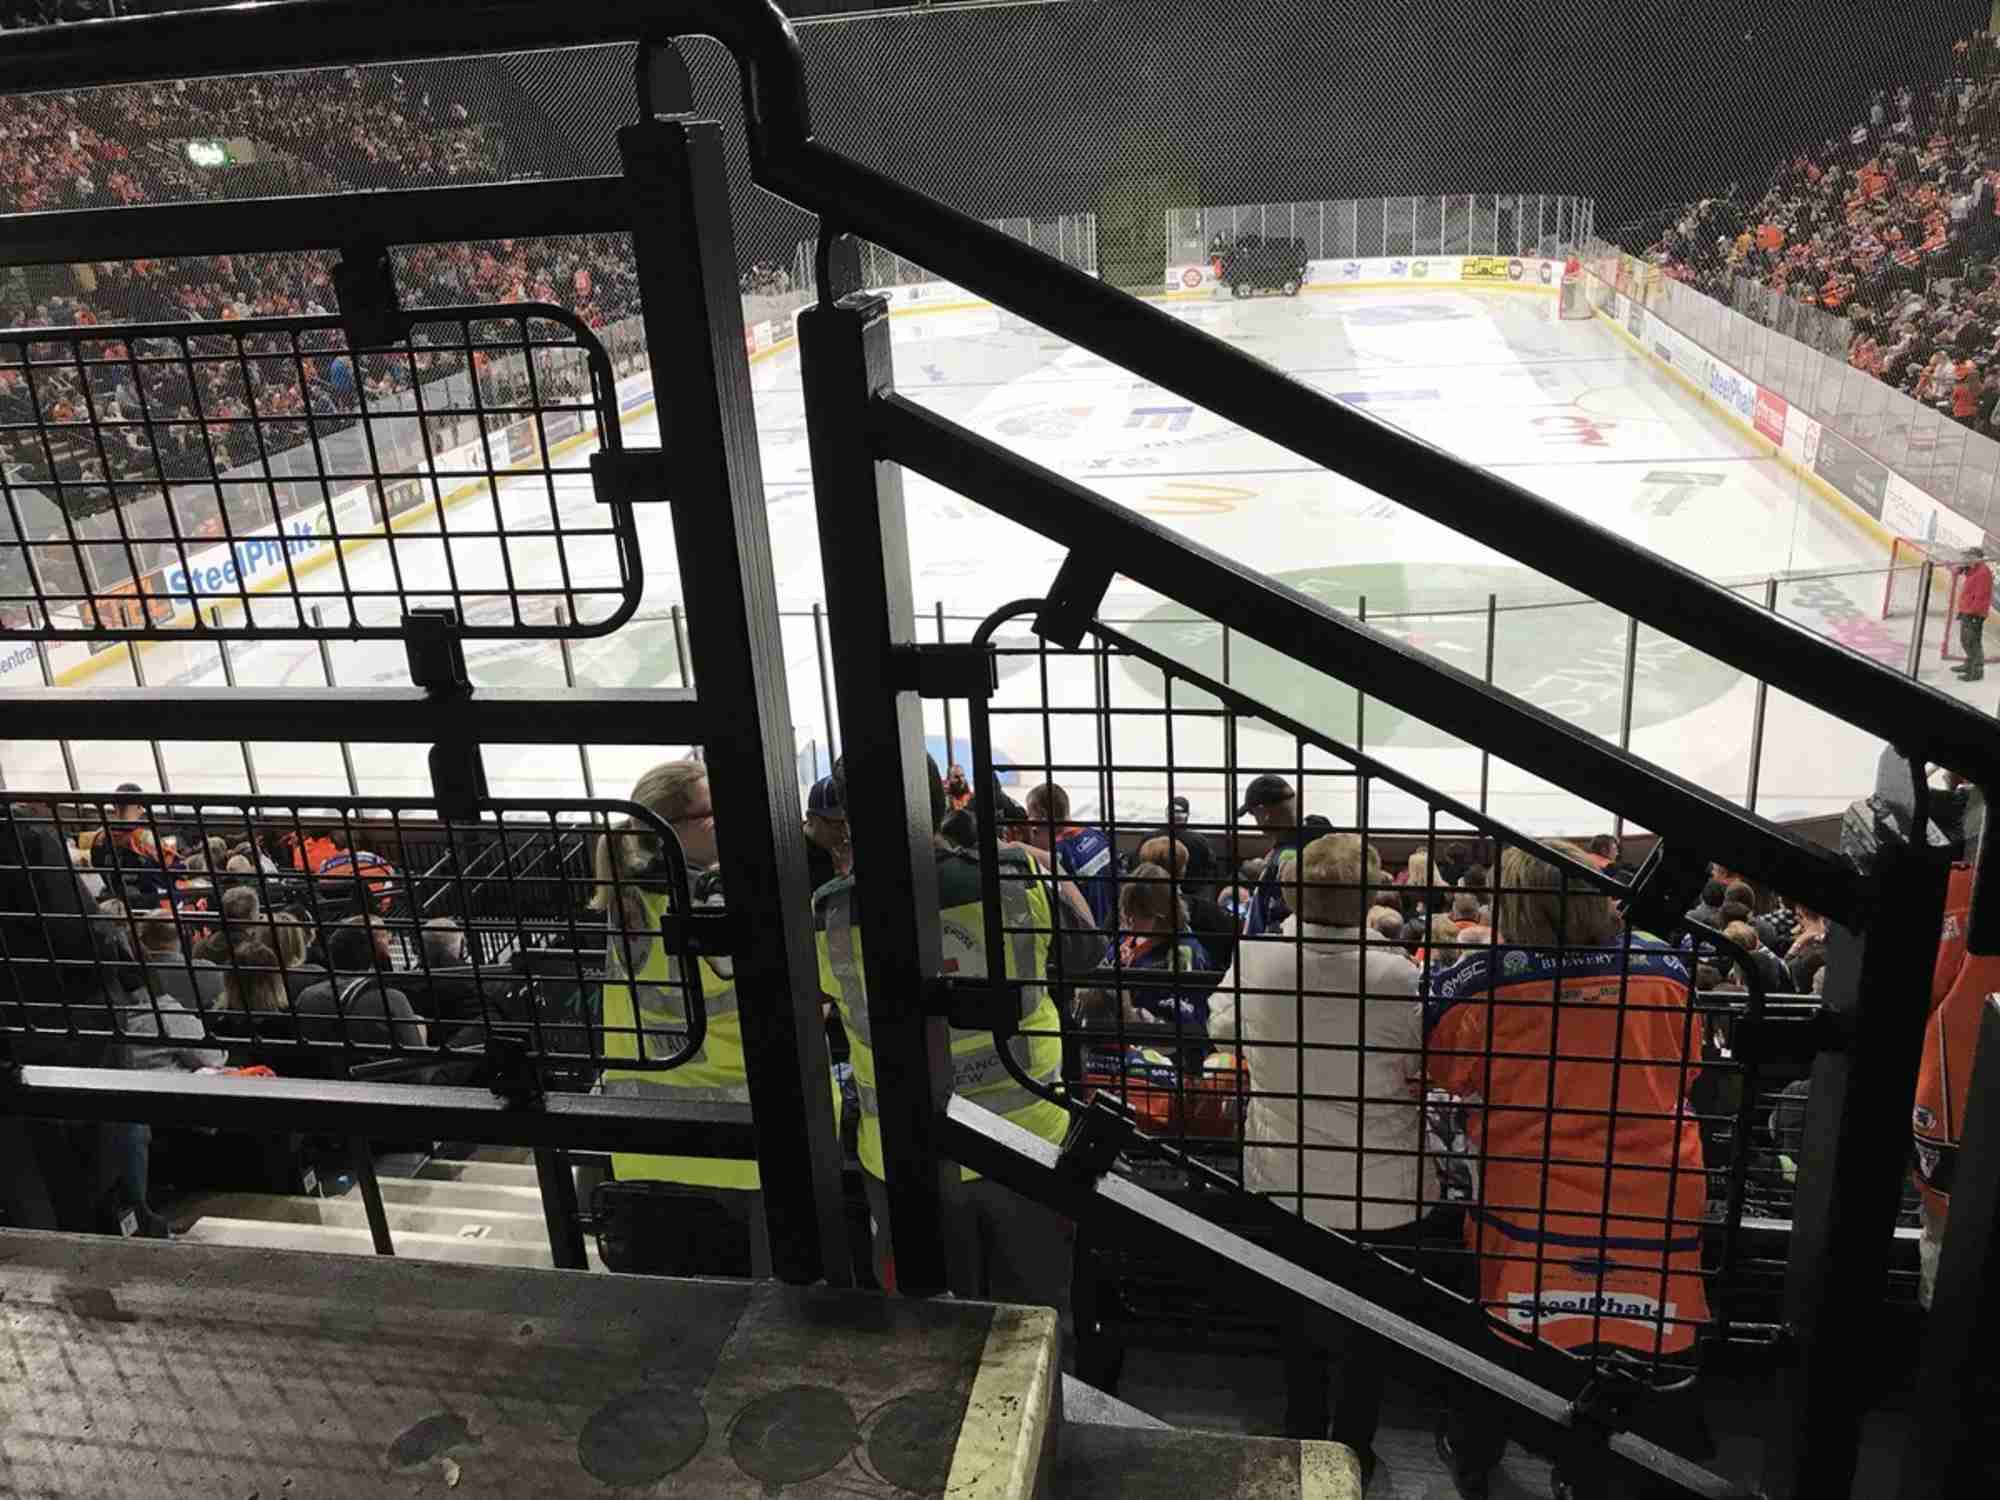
x=265, y=1234
x=479, y=1171
x=349, y=1212
x=504, y=1384
x=1099, y=1462
x=1083, y=1402
x=444, y=1193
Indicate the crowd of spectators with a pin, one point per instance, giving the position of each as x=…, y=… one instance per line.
x=1892, y=224
x=320, y=132
x=271, y=950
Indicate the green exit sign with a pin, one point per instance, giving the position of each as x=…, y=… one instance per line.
x=210, y=152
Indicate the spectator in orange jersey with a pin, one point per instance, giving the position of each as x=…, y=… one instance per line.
x=1951, y=1043
x=1587, y=1230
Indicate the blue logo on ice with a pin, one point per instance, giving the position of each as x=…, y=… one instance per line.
x=1160, y=418
x=1379, y=398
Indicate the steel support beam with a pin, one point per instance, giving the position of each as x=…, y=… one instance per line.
x=694, y=324
x=1856, y=1158
x=871, y=613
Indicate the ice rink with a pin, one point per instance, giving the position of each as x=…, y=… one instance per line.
x=1570, y=410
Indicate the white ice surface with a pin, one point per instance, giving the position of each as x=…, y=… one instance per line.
x=1568, y=410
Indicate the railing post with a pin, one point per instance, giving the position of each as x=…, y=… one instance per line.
x=871, y=612
x=49, y=681
x=1913, y=662
x=139, y=680
x=1625, y=709
x=1856, y=1156
x=950, y=745
x=680, y=646
x=326, y=671
x=229, y=680
x=569, y=680
x=825, y=685
x=686, y=261
x=1757, y=718
x=1492, y=634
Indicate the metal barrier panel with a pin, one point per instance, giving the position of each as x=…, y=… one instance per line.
x=307, y=486
x=1570, y=1126
x=332, y=940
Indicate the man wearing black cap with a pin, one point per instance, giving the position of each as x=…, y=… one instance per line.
x=1971, y=601
x=1201, y=866
x=1271, y=803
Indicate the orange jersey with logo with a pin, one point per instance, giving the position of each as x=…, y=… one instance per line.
x=1959, y=989
x=1602, y=1245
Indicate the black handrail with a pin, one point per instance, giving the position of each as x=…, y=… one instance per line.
x=1314, y=634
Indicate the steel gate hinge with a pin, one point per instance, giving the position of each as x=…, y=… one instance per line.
x=706, y=933
x=1073, y=600
x=974, y=1005
x=630, y=476
x=1666, y=888
x=364, y=283
x=1097, y=1138
x=436, y=656
x=958, y=670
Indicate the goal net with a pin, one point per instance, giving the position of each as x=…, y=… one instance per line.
x=1921, y=573
x=1573, y=296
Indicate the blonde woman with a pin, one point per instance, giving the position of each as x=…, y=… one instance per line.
x=645, y=1005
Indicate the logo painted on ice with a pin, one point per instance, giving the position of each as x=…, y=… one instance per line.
x=1573, y=427
x=1160, y=418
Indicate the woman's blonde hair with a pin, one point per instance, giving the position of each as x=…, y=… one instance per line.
x=253, y=982
x=1541, y=906
x=1145, y=891
x=289, y=938
x=667, y=791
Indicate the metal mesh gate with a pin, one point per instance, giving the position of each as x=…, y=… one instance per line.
x=264, y=477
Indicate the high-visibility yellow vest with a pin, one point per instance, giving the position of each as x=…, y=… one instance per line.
x=660, y=1028
x=977, y=1071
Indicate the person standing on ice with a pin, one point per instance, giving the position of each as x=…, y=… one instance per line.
x=1972, y=601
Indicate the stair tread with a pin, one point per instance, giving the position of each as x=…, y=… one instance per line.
x=340, y=1239
x=1109, y=1462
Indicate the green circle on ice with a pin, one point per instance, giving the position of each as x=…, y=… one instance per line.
x=1563, y=653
